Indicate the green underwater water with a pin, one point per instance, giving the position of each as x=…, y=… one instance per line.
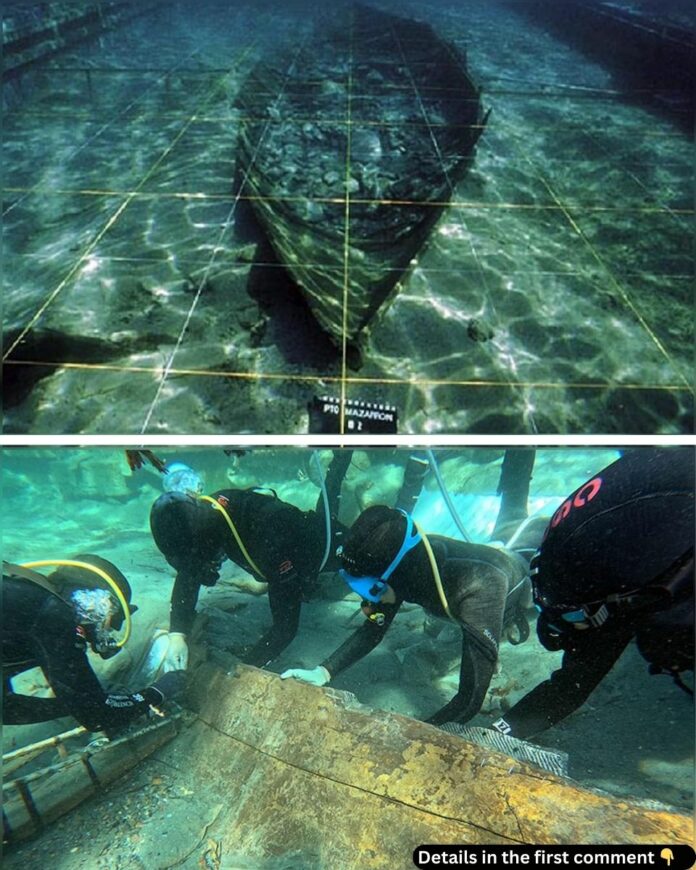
x=93, y=495
x=633, y=738
x=554, y=295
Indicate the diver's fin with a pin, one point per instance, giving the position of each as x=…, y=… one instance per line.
x=553, y=760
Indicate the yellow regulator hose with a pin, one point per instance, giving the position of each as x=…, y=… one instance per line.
x=71, y=563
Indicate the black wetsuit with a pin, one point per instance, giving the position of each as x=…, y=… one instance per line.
x=285, y=543
x=630, y=527
x=40, y=630
x=477, y=581
x=513, y=489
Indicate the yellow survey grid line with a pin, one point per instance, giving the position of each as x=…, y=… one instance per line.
x=573, y=92
x=478, y=205
x=240, y=266
x=578, y=91
x=615, y=283
x=346, y=233
x=233, y=117
x=457, y=216
x=110, y=222
x=248, y=120
x=216, y=249
x=600, y=261
x=339, y=378
x=71, y=273
x=113, y=119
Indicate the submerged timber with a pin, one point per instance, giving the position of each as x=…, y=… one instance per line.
x=350, y=147
x=270, y=759
x=391, y=782
x=54, y=786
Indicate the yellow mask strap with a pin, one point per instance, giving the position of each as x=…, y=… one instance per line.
x=235, y=533
x=71, y=563
x=434, y=569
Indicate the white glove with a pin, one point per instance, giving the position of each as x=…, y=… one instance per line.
x=318, y=676
x=177, y=655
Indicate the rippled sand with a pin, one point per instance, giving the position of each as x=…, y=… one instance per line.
x=555, y=294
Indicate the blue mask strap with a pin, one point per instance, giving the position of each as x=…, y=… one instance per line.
x=411, y=539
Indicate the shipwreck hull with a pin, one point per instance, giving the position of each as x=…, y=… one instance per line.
x=349, y=149
x=278, y=773
x=311, y=771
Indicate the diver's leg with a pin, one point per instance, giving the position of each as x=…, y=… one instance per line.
x=417, y=467
x=335, y=475
x=513, y=489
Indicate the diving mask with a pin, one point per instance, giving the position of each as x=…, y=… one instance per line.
x=372, y=588
x=94, y=609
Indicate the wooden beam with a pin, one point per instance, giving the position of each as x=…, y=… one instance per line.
x=312, y=770
x=32, y=801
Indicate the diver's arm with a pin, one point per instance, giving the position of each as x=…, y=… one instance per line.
x=361, y=642
x=285, y=600
x=28, y=709
x=183, y=602
x=586, y=661
x=77, y=688
x=479, y=656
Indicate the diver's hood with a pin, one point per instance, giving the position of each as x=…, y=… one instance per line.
x=373, y=541
x=68, y=578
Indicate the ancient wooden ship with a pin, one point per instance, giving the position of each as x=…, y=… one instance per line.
x=305, y=754
x=277, y=755
x=45, y=780
x=349, y=148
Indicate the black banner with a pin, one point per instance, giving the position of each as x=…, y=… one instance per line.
x=658, y=856
x=360, y=418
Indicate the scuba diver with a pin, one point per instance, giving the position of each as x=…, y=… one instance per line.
x=274, y=541
x=617, y=563
x=49, y=622
x=387, y=560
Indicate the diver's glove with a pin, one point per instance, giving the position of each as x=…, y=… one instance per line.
x=176, y=658
x=170, y=684
x=318, y=676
